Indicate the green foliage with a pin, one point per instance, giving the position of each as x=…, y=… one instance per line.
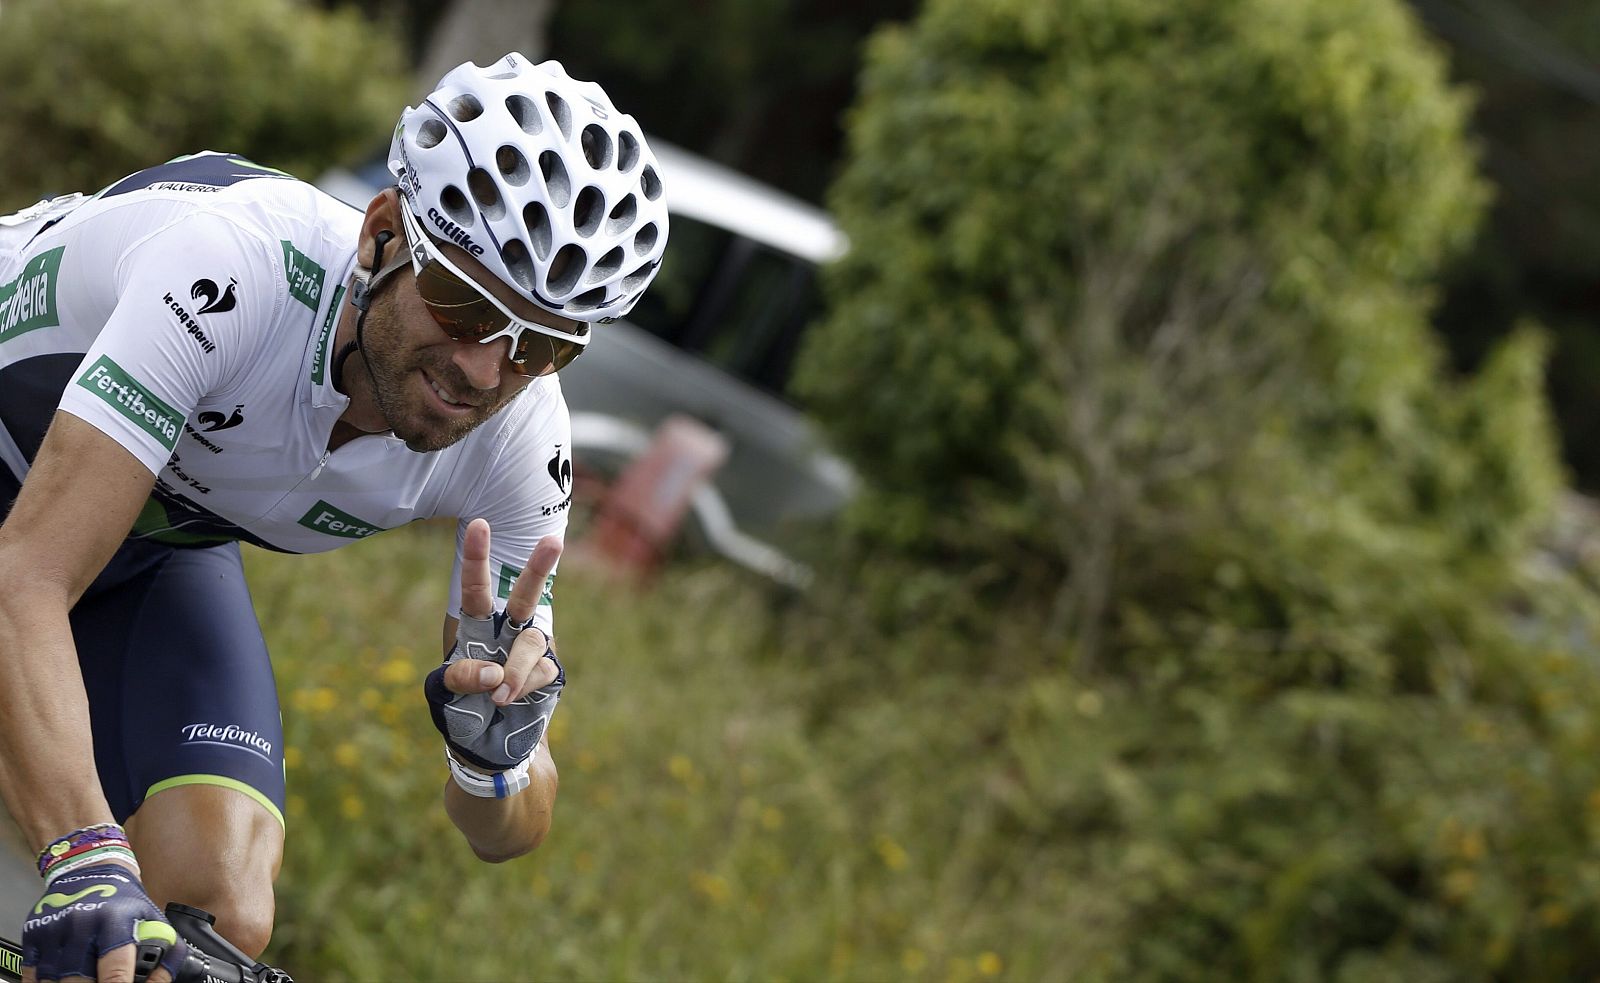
x=1261, y=651
x=734, y=805
x=703, y=831
x=1143, y=289
x=91, y=90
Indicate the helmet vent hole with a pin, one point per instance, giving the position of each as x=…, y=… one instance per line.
x=628, y=152
x=646, y=239
x=538, y=222
x=607, y=267
x=566, y=269
x=430, y=133
x=588, y=300
x=526, y=113
x=635, y=281
x=455, y=205
x=650, y=183
x=588, y=210
x=621, y=218
x=465, y=108
x=486, y=194
x=596, y=146
x=560, y=112
x=513, y=166
x=515, y=255
x=555, y=178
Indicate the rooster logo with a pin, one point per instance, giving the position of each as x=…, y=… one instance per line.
x=216, y=301
x=560, y=469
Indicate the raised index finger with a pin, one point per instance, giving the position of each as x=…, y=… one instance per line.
x=477, y=600
x=526, y=591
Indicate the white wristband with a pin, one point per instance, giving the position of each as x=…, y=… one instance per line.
x=494, y=785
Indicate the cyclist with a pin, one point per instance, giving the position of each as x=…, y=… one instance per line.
x=210, y=351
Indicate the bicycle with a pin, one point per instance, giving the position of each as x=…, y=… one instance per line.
x=212, y=958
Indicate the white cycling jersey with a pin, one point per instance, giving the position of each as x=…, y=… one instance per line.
x=188, y=312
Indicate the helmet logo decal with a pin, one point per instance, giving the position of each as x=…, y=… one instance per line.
x=454, y=232
x=408, y=174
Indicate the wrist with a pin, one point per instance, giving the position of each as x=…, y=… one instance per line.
x=87, y=847
x=488, y=784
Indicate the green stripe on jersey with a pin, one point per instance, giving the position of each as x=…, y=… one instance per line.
x=303, y=274
x=128, y=396
x=29, y=301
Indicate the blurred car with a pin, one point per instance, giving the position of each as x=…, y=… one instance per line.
x=715, y=338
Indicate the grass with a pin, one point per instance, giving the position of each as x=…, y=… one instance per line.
x=708, y=827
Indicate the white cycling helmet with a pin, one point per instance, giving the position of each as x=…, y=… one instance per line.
x=539, y=177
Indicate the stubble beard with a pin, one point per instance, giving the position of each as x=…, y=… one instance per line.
x=391, y=369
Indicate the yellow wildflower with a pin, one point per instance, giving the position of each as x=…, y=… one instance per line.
x=1554, y=913
x=990, y=964
x=710, y=886
x=351, y=807
x=894, y=855
x=398, y=672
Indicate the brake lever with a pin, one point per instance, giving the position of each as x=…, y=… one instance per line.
x=212, y=958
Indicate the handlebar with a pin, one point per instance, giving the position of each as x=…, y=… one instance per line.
x=211, y=959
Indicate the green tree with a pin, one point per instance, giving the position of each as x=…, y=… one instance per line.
x=91, y=90
x=1132, y=348
x=1123, y=276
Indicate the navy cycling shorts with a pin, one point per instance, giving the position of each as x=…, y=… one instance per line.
x=180, y=687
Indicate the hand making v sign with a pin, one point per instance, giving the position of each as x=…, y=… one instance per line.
x=493, y=697
x=525, y=669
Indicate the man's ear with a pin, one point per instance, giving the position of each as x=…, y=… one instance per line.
x=383, y=213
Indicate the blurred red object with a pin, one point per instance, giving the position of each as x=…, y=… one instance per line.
x=644, y=508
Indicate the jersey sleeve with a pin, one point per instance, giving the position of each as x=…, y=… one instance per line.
x=525, y=493
x=193, y=299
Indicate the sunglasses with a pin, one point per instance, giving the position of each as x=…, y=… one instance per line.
x=467, y=312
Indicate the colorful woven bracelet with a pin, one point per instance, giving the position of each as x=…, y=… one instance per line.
x=83, y=847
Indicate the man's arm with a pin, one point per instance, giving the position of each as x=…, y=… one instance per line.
x=503, y=829
x=75, y=508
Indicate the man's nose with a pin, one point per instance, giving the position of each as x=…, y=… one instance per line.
x=481, y=363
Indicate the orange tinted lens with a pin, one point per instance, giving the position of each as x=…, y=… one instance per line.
x=540, y=354
x=462, y=311
x=467, y=315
